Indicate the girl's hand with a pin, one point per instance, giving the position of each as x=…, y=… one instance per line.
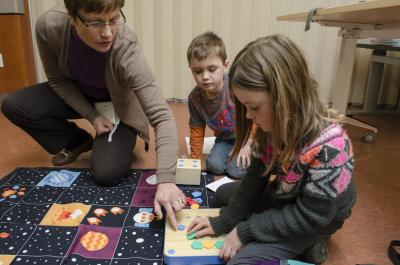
x=232, y=245
x=200, y=226
x=243, y=158
x=102, y=125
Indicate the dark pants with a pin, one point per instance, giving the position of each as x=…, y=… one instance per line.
x=44, y=116
x=255, y=252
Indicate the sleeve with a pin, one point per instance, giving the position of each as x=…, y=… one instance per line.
x=315, y=207
x=137, y=75
x=196, y=141
x=239, y=207
x=195, y=118
x=63, y=87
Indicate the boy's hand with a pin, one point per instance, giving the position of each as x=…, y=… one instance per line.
x=243, y=158
x=231, y=246
x=102, y=125
x=200, y=226
x=171, y=198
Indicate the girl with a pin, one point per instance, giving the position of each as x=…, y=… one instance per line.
x=298, y=189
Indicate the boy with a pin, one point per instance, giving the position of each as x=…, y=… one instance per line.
x=211, y=103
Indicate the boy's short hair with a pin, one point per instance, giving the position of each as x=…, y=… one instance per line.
x=206, y=45
x=95, y=6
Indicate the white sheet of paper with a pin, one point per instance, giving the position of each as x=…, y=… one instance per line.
x=106, y=109
x=215, y=185
x=208, y=144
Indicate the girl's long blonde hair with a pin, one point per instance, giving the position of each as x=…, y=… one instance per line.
x=274, y=64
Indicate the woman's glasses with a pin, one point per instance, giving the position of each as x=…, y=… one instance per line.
x=98, y=25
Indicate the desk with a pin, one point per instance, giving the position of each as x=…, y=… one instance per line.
x=373, y=19
x=378, y=61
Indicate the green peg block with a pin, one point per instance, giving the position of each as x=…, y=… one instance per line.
x=197, y=244
x=191, y=236
x=219, y=244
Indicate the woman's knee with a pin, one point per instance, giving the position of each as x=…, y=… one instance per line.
x=9, y=106
x=106, y=175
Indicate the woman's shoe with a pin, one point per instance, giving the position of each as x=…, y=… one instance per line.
x=68, y=156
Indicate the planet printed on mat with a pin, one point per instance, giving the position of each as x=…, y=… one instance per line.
x=4, y=235
x=94, y=241
x=152, y=180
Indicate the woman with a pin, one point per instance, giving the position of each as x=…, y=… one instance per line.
x=90, y=56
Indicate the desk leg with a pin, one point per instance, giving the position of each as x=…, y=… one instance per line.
x=374, y=82
x=344, y=73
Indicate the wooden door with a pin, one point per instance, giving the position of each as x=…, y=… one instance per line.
x=16, y=48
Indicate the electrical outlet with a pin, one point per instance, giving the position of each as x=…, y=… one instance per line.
x=1, y=60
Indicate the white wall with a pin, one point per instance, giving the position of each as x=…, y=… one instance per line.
x=166, y=27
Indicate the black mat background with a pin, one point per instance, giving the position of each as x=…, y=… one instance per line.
x=31, y=243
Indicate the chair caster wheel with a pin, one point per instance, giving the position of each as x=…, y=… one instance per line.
x=368, y=138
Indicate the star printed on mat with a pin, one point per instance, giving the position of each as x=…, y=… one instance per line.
x=17, y=234
x=26, y=213
x=49, y=241
x=26, y=176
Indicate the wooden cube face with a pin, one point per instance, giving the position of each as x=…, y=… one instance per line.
x=188, y=171
x=189, y=163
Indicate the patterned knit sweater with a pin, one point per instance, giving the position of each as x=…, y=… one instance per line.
x=315, y=195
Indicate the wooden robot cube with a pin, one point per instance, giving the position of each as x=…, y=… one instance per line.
x=188, y=171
